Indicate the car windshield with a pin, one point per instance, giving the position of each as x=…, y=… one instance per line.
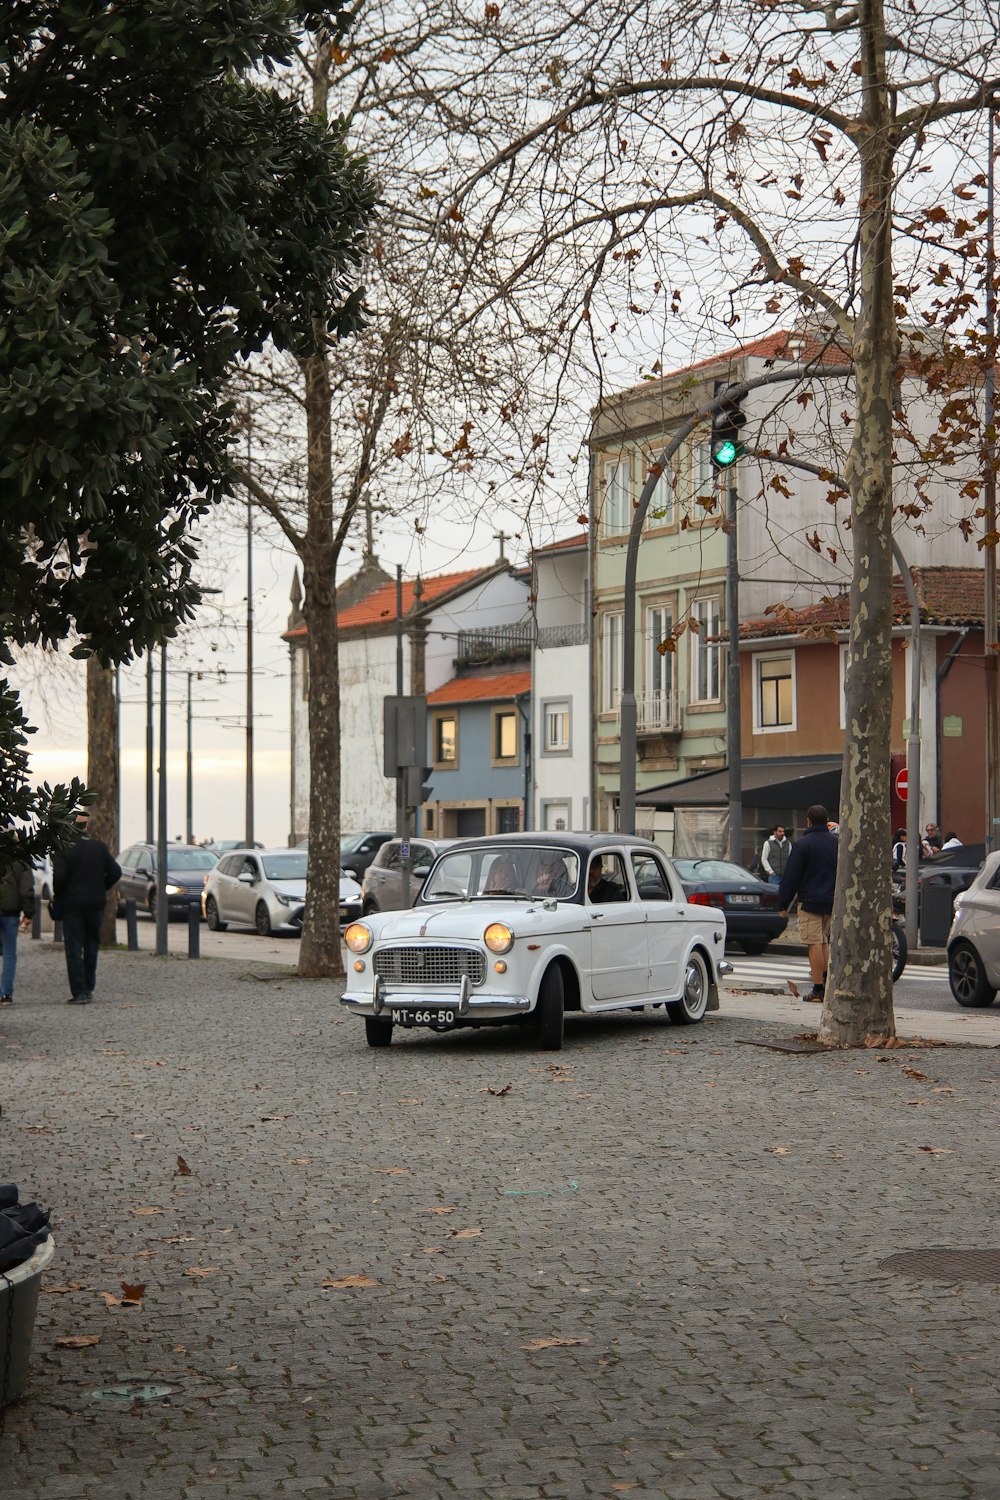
x=501, y=869
x=711, y=869
x=291, y=866
x=350, y=841
x=190, y=859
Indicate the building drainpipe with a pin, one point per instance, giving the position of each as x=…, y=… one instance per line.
x=526, y=819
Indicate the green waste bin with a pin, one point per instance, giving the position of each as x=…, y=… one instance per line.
x=18, y=1304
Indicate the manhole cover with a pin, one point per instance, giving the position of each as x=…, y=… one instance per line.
x=946, y=1265
x=793, y=1045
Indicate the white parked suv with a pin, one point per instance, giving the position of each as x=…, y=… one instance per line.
x=266, y=889
x=524, y=927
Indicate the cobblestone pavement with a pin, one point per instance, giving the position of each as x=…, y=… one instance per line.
x=646, y=1266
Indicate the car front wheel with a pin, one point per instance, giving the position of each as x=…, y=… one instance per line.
x=692, y=1005
x=550, y=1011
x=262, y=919
x=967, y=977
x=377, y=1031
x=215, y=924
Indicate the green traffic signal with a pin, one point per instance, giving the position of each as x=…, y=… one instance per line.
x=727, y=453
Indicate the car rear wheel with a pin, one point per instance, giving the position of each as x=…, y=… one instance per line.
x=967, y=977
x=692, y=1005
x=212, y=915
x=378, y=1032
x=262, y=919
x=550, y=1011
x=899, y=951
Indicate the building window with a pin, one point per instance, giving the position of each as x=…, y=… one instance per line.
x=445, y=742
x=507, y=819
x=612, y=657
x=658, y=705
x=555, y=719
x=774, y=692
x=705, y=652
x=505, y=736
x=616, y=509
x=663, y=504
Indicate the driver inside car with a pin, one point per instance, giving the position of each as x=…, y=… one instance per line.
x=502, y=878
x=552, y=880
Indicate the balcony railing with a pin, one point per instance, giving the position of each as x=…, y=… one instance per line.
x=551, y=636
x=497, y=643
x=656, y=713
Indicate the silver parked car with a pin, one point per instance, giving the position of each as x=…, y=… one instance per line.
x=382, y=887
x=974, y=939
x=266, y=889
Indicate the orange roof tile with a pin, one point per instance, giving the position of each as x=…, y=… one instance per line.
x=379, y=607
x=481, y=689
x=567, y=543
x=946, y=596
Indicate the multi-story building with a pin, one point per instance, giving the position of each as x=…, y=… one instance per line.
x=561, y=681
x=792, y=547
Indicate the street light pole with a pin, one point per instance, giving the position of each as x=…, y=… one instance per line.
x=189, y=833
x=162, y=912
x=249, y=751
x=149, y=747
x=734, y=748
x=991, y=664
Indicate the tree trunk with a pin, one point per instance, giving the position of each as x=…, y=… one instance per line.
x=859, y=990
x=102, y=771
x=320, y=954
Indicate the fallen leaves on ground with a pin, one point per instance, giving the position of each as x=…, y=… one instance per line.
x=445, y=1208
x=393, y=1171
x=77, y=1341
x=793, y=987
x=554, y=1343
x=463, y=1234
x=60, y=1291
x=358, y=1279
x=145, y=1213
x=266, y=1118
x=202, y=1270
x=300, y=1161
x=132, y=1293
x=937, y=1150
x=779, y=1150
x=183, y=1170
x=915, y=1074
x=498, y=1093
x=942, y=1089
x=109, y=1299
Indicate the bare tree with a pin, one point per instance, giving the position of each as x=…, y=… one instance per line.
x=738, y=160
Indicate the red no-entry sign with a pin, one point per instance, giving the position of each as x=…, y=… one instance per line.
x=902, y=782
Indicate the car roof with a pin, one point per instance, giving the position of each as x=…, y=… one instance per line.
x=581, y=843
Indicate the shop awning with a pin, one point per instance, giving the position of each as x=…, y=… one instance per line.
x=764, y=783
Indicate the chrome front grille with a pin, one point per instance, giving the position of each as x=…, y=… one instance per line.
x=424, y=964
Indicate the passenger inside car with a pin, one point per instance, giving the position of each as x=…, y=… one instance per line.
x=605, y=884
x=502, y=878
x=552, y=880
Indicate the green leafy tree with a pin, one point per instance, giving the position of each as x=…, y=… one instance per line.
x=165, y=212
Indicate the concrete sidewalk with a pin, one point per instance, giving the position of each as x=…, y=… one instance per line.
x=650, y=1265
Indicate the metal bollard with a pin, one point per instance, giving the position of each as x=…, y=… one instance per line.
x=36, y=920
x=132, y=925
x=194, y=931
x=57, y=931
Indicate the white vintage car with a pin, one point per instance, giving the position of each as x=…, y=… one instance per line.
x=526, y=926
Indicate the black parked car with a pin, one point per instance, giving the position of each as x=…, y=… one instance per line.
x=751, y=906
x=187, y=866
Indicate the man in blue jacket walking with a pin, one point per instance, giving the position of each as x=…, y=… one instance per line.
x=811, y=874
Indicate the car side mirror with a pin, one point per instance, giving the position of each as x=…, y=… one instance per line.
x=245, y=878
x=141, y=870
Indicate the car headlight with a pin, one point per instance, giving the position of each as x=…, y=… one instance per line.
x=175, y=890
x=358, y=937
x=498, y=937
x=285, y=900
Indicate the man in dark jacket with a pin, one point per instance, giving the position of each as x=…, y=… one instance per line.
x=17, y=895
x=81, y=879
x=811, y=874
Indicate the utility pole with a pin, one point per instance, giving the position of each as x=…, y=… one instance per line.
x=991, y=664
x=249, y=750
x=734, y=748
x=162, y=911
x=189, y=824
x=149, y=747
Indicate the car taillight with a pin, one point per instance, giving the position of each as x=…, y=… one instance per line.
x=707, y=898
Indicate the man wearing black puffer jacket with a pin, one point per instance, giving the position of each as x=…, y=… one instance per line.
x=81, y=879
x=811, y=874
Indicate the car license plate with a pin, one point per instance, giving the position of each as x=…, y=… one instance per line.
x=423, y=1017
x=742, y=900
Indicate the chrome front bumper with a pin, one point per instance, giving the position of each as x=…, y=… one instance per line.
x=463, y=1001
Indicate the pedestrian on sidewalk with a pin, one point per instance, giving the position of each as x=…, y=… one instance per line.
x=17, y=907
x=811, y=874
x=774, y=854
x=81, y=879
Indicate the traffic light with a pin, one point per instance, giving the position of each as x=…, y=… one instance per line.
x=417, y=784
x=726, y=424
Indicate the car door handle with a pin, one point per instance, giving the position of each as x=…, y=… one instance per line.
x=594, y=915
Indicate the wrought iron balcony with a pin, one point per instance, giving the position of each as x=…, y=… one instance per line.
x=497, y=643
x=656, y=713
